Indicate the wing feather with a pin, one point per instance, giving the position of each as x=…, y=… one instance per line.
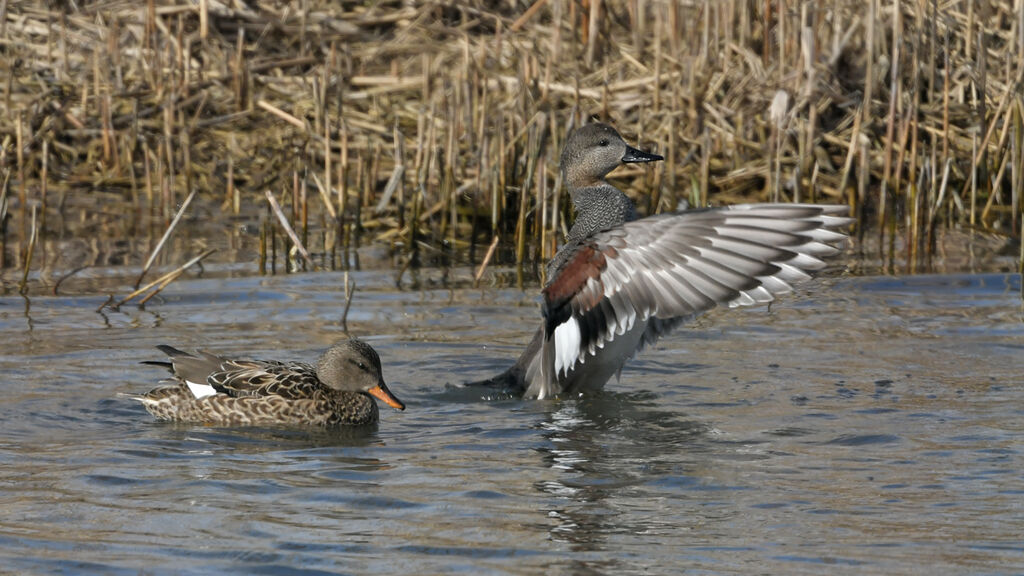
x=667, y=268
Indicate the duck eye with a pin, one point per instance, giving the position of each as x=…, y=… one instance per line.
x=605, y=142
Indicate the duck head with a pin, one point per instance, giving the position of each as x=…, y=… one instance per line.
x=594, y=150
x=353, y=366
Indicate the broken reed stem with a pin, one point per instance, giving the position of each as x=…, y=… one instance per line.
x=527, y=15
x=288, y=229
x=162, y=285
x=325, y=195
x=162, y=281
x=23, y=286
x=3, y=218
x=264, y=225
x=56, y=287
x=350, y=290
x=110, y=298
x=281, y=114
x=486, y=261
x=167, y=234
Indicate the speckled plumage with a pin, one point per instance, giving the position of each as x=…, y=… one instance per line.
x=337, y=391
x=590, y=153
x=619, y=283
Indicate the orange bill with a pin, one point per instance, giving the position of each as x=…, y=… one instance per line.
x=381, y=392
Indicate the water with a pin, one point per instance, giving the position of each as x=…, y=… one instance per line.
x=870, y=425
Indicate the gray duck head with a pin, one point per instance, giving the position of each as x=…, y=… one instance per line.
x=353, y=366
x=594, y=150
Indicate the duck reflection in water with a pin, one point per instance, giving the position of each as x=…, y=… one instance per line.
x=602, y=450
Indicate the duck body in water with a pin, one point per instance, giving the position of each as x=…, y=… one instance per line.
x=210, y=389
x=620, y=282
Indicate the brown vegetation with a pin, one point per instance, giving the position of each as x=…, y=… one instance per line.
x=438, y=123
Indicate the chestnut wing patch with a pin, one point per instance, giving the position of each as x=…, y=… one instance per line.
x=576, y=285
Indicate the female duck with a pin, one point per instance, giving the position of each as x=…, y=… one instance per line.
x=210, y=389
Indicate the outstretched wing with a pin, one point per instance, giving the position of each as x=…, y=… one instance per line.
x=676, y=266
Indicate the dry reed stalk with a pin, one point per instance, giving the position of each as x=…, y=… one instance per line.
x=44, y=184
x=281, y=114
x=1016, y=165
x=524, y=198
x=161, y=282
x=855, y=136
x=263, y=247
x=325, y=196
x=163, y=239
x=394, y=181
x=343, y=176
x=938, y=202
x=288, y=229
x=4, y=188
x=106, y=303
x=29, y=250
x=22, y=185
x=526, y=16
x=178, y=94
x=69, y=274
x=174, y=276
x=304, y=212
x=3, y=19
x=973, y=182
x=350, y=291
x=168, y=159
x=487, y=260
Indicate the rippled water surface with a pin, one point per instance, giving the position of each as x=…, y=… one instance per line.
x=869, y=425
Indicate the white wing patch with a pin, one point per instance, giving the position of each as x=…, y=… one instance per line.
x=567, y=345
x=200, y=391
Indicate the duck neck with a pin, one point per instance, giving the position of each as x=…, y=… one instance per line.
x=599, y=206
x=353, y=408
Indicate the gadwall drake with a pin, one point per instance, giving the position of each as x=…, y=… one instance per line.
x=210, y=389
x=619, y=282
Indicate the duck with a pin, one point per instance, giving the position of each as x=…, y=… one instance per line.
x=205, y=388
x=620, y=282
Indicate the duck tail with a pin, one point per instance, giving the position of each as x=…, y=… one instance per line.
x=139, y=397
x=508, y=382
x=172, y=351
x=517, y=378
x=143, y=399
x=545, y=382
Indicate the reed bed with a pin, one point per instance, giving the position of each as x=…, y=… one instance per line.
x=435, y=126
